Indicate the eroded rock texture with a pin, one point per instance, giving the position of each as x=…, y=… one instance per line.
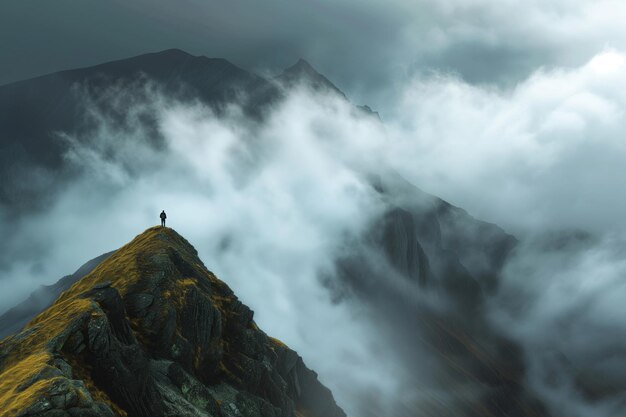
x=150, y=333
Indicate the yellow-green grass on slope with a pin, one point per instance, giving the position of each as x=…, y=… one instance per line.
x=32, y=352
x=20, y=386
x=124, y=268
x=52, y=322
x=11, y=399
x=277, y=343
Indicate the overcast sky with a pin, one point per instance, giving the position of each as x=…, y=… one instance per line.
x=367, y=47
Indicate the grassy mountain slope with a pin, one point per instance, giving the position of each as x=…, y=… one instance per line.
x=151, y=332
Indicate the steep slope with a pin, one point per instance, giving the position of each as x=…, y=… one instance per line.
x=17, y=317
x=151, y=332
x=426, y=268
x=33, y=111
x=446, y=234
x=302, y=71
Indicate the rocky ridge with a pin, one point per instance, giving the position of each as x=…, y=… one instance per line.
x=151, y=332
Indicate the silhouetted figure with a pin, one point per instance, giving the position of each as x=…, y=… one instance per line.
x=163, y=216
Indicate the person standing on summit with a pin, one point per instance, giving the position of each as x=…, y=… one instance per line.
x=163, y=216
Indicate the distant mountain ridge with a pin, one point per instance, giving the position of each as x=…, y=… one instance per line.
x=34, y=111
x=17, y=317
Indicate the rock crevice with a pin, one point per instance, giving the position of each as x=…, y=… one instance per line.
x=152, y=333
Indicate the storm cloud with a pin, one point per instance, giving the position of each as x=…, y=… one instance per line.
x=369, y=48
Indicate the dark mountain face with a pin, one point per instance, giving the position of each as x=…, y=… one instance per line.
x=424, y=248
x=151, y=332
x=33, y=112
x=420, y=249
x=302, y=70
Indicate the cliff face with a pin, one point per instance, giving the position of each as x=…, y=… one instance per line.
x=151, y=332
x=427, y=268
x=431, y=245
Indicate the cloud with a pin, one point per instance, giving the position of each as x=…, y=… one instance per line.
x=544, y=160
x=564, y=305
x=270, y=204
x=545, y=155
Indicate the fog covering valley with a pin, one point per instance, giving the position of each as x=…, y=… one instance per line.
x=323, y=218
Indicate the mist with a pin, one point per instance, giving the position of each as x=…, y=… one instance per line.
x=545, y=160
x=268, y=207
x=271, y=204
x=562, y=297
x=546, y=154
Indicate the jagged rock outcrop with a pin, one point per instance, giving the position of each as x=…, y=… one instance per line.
x=151, y=332
x=438, y=265
x=428, y=242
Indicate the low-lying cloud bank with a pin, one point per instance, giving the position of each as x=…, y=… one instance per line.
x=547, y=154
x=270, y=204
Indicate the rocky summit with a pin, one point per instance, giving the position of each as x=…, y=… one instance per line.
x=151, y=332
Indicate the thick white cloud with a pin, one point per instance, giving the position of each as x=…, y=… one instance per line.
x=268, y=206
x=547, y=154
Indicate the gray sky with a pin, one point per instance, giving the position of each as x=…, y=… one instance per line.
x=367, y=47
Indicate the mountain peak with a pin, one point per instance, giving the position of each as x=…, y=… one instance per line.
x=151, y=332
x=303, y=72
x=302, y=65
x=174, y=51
